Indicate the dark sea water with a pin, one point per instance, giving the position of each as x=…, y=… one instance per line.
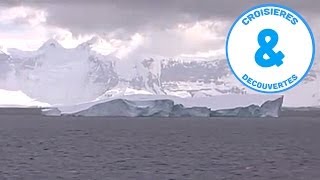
x=40, y=148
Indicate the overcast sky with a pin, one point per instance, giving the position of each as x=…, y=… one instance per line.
x=162, y=27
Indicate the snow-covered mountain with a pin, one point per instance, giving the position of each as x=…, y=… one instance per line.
x=57, y=75
x=213, y=77
x=199, y=78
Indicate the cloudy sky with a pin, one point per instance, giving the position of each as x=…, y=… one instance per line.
x=161, y=27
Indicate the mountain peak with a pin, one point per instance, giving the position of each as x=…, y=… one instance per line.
x=51, y=43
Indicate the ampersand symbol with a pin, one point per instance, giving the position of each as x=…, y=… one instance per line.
x=267, y=48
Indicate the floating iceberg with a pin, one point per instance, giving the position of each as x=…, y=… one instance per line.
x=181, y=111
x=167, y=108
x=126, y=108
x=267, y=109
x=51, y=111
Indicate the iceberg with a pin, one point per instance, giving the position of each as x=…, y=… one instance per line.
x=267, y=109
x=180, y=111
x=127, y=108
x=214, y=102
x=51, y=111
x=168, y=108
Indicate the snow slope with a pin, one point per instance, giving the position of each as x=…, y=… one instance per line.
x=18, y=99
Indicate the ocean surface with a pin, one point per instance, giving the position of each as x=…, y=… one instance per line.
x=34, y=147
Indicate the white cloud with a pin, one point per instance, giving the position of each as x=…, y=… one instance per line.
x=190, y=38
x=135, y=42
x=26, y=28
x=28, y=15
x=203, y=30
